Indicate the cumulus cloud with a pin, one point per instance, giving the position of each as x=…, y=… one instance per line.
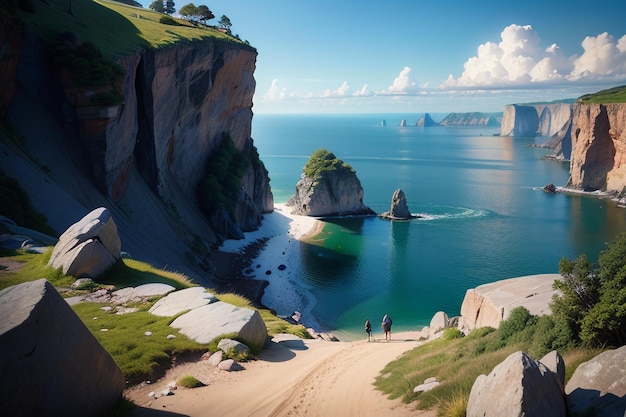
x=403, y=83
x=274, y=92
x=364, y=91
x=341, y=91
x=519, y=60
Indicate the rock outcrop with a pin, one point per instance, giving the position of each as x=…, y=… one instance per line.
x=328, y=187
x=519, y=386
x=489, y=304
x=599, y=384
x=205, y=323
x=598, y=160
x=426, y=121
x=399, y=209
x=51, y=363
x=89, y=247
x=472, y=119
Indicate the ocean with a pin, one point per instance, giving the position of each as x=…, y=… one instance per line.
x=485, y=217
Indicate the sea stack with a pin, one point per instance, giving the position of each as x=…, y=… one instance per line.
x=399, y=209
x=426, y=121
x=328, y=187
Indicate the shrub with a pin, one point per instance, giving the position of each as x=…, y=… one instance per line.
x=452, y=333
x=221, y=182
x=166, y=20
x=323, y=160
x=189, y=381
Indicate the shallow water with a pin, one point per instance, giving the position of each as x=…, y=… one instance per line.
x=485, y=216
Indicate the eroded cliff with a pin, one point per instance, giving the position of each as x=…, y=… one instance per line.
x=143, y=159
x=598, y=160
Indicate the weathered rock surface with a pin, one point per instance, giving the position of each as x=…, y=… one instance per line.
x=51, y=364
x=426, y=121
x=428, y=384
x=207, y=322
x=519, y=386
x=237, y=347
x=182, y=300
x=554, y=362
x=399, y=209
x=472, y=119
x=144, y=291
x=333, y=192
x=89, y=247
x=599, y=384
x=598, y=160
x=489, y=304
x=438, y=322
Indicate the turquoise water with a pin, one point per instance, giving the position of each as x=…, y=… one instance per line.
x=485, y=216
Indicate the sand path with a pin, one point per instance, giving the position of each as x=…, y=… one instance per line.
x=290, y=378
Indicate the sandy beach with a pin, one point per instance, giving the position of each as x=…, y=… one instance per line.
x=290, y=377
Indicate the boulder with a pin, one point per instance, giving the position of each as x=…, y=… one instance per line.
x=429, y=383
x=89, y=247
x=216, y=358
x=205, y=323
x=599, y=384
x=519, y=386
x=439, y=322
x=229, y=365
x=144, y=291
x=554, y=362
x=178, y=301
x=489, y=304
x=51, y=363
x=225, y=345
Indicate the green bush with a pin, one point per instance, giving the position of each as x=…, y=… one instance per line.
x=166, y=20
x=322, y=161
x=452, y=333
x=221, y=182
x=189, y=381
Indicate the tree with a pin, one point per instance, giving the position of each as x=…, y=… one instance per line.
x=204, y=14
x=189, y=12
x=225, y=23
x=606, y=321
x=170, y=7
x=157, y=6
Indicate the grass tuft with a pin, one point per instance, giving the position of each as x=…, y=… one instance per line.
x=189, y=381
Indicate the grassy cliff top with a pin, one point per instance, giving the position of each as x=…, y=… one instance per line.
x=115, y=28
x=322, y=161
x=612, y=95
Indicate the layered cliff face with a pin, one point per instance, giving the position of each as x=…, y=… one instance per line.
x=535, y=119
x=472, y=119
x=598, y=160
x=142, y=159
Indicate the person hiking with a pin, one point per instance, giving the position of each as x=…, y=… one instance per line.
x=386, y=325
x=368, y=330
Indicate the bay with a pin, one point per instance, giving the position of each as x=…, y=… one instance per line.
x=485, y=215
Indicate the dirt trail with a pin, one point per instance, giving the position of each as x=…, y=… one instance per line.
x=300, y=378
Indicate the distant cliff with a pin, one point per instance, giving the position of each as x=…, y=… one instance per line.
x=472, y=119
x=552, y=120
x=598, y=160
x=143, y=158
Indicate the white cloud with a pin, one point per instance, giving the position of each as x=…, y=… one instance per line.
x=273, y=93
x=518, y=60
x=403, y=83
x=364, y=91
x=341, y=91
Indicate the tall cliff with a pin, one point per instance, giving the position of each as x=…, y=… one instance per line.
x=143, y=159
x=598, y=160
x=548, y=120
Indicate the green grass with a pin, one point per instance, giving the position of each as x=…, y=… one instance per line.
x=612, y=95
x=456, y=363
x=115, y=28
x=189, y=381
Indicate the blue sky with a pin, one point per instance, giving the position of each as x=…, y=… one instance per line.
x=350, y=56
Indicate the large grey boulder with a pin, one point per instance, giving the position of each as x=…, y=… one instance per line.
x=178, y=301
x=519, y=386
x=89, y=247
x=438, y=322
x=203, y=324
x=50, y=363
x=599, y=384
x=554, y=362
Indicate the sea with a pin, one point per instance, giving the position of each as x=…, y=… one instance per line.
x=484, y=216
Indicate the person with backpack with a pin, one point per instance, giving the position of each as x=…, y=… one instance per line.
x=368, y=330
x=386, y=325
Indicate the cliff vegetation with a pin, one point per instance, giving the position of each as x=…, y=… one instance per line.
x=612, y=95
x=322, y=160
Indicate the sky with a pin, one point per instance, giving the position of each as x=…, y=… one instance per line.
x=355, y=56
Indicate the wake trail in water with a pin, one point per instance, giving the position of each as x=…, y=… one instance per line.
x=452, y=213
